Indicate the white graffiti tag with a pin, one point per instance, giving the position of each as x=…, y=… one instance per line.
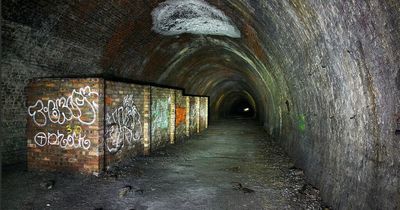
x=74, y=140
x=64, y=109
x=123, y=125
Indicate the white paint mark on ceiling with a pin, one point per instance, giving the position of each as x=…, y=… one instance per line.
x=174, y=17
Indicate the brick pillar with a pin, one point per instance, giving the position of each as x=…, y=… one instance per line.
x=172, y=118
x=146, y=124
x=206, y=107
x=187, y=121
x=64, y=124
x=198, y=113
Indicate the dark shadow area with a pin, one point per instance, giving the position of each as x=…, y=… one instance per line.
x=238, y=106
x=241, y=109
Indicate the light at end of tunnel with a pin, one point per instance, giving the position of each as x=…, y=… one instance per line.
x=246, y=109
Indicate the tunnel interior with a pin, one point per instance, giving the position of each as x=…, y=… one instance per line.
x=241, y=107
x=237, y=105
x=322, y=78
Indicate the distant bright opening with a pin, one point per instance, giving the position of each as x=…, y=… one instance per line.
x=240, y=108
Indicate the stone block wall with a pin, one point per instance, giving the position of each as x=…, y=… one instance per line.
x=126, y=120
x=65, y=124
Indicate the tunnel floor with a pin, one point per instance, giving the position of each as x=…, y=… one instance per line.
x=231, y=165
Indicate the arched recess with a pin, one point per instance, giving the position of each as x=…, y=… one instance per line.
x=236, y=104
x=211, y=63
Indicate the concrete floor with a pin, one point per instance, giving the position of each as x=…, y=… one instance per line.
x=232, y=165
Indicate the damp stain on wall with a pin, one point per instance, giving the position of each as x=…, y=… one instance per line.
x=302, y=123
x=175, y=17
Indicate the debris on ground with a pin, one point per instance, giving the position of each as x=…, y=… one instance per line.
x=235, y=169
x=296, y=171
x=139, y=191
x=238, y=186
x=258, y=174
x=124, y=191
x=309, y=191
x=49, y=184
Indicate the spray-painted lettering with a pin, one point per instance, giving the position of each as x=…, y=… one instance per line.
x=72, y=140
x=65, y=109
x=123, y=125
x=159, y=114
x=180, y=115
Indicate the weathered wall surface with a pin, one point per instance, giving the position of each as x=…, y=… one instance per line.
x=65, y=124
x=126, y=117
x=172, y=116
x=181, y=117
x=194, y=116
x=35, y=45
x=324, y=76
x=336, y=64
x=203, y=113
x=161, y=103
x=77, y=124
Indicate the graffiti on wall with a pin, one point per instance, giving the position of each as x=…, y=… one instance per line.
x=75, y=140
x=203, y=110
x=123, y=125
x=64, y=109
x=180, y=115
x=159, y=114
x=302, y=123
x=80, y=105
x=193, y=116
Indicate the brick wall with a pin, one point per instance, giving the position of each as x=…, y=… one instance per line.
x=69, y=118
x=30, y=52
x=126, y=114
x=182, y=117
x=172, y=116
x=162, y=101
x=187, y=115
x=194, y=115
x=203, y=113
x=65, y=124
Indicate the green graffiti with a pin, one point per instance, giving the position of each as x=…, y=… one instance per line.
x=159, y=114
x=302, y=123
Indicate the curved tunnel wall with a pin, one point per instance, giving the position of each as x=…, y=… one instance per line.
x=324, y=75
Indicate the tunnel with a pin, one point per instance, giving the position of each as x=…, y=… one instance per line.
x=317, y=82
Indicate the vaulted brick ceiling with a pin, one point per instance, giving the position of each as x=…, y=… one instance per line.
x=332, y=66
